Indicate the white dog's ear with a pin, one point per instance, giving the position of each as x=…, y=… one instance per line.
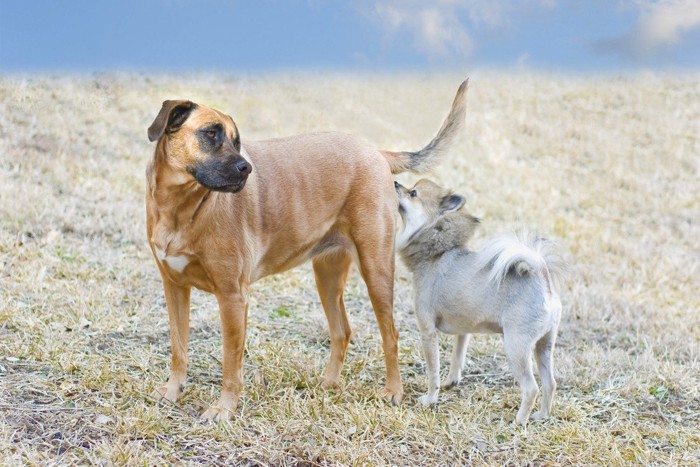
x=451, y=203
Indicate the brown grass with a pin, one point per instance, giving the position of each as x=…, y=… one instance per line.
x=609, y=167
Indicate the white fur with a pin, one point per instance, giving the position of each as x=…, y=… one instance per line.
x=177, y=263
x=414, y=220
x=160, y=254
x=522, y=251
x=506, y=287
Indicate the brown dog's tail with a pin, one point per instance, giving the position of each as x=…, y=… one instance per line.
x=422, y=160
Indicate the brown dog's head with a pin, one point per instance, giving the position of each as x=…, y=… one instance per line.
x=203, y=142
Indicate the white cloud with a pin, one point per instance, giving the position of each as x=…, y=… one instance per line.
x=663, y=23
x=434, y=28
x=437, y=28
x=660, y=25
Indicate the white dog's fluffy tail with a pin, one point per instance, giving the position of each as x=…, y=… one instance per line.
x=523, y=253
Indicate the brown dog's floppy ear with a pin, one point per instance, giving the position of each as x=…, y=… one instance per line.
x=171, y=116
x=451, y=203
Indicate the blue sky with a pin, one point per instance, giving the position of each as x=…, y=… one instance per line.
x=363, y=35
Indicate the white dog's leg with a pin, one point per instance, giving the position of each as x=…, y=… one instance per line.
x=543, y=355
x=518, y=352
x=457, y=364
x=431, y=351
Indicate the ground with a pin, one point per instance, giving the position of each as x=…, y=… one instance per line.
x=606, y=166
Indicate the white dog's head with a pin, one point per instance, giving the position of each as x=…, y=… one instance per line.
x=421, y=207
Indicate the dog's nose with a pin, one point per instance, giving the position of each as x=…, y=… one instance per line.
x=244, y=167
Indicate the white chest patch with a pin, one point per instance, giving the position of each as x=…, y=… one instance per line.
x=177, y=263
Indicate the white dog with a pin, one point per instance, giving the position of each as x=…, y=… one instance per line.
x=506, y=287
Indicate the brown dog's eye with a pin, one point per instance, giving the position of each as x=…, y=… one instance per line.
x=413, y=193
x=211, y=134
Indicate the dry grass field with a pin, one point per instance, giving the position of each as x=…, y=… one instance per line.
x=609, y=167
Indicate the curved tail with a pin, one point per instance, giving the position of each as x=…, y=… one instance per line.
x=421, y=160
x=524, y=253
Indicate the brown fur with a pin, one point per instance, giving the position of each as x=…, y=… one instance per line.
x=323, y=196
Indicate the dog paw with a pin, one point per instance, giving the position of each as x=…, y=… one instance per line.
x=450, y=382
x=329, y=383
x=215, y=414
x=169, y=393
x=521, y=420
x=393, y=396
x=222, y=411
x=427, y=400
x=540, y=415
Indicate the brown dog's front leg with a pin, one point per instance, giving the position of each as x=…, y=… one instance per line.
x=177, y=300
x=233, y=309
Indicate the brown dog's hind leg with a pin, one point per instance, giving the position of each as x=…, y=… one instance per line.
x=177, y=300
x=331, y=272
x=377, y=269
x=233, y=308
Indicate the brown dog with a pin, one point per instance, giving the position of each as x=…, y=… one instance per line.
x=221, y=214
